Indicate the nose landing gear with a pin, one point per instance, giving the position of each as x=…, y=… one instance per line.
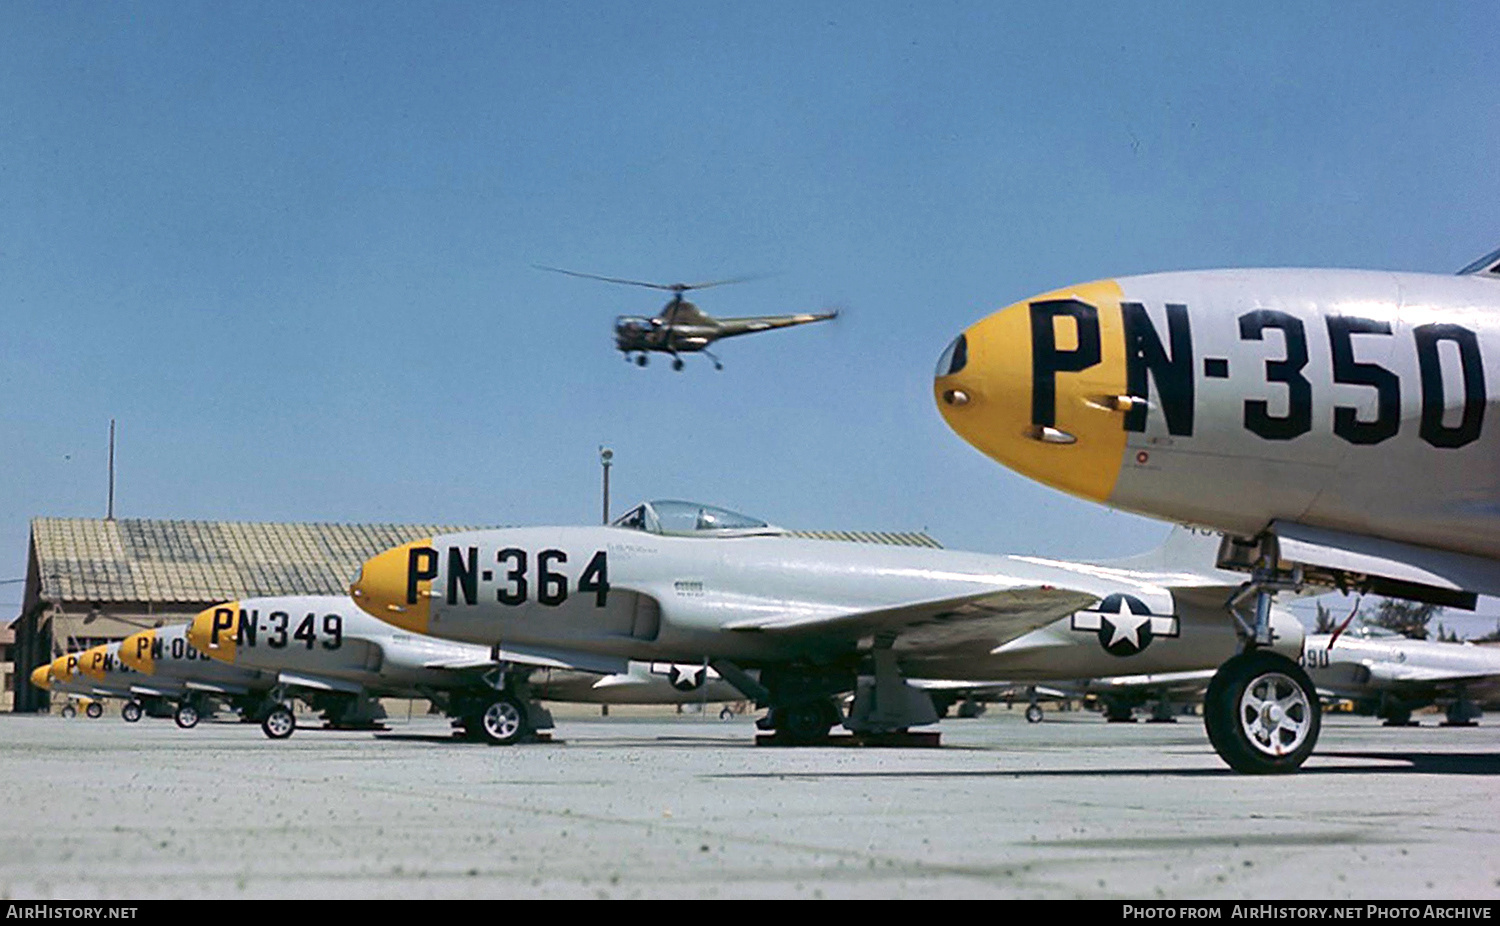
x=1261, y=711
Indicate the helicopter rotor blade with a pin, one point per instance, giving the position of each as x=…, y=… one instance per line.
x=684, y=287
x=594, y=276
x=666, y=287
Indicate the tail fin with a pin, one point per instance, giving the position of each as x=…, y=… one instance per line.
x=1192, y=550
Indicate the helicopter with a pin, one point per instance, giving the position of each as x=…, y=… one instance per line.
x=681, y=327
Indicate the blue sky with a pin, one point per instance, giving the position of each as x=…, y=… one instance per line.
x=289, y=246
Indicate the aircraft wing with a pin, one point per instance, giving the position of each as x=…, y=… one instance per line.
x=996, y=616
x=319, y=684
x=533, y=656
x=729, y=327
x=1400, y=570
x=216, y=688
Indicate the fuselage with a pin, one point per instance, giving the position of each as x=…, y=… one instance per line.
x=1359, y=667
x=1356, y=401
x=165, y=653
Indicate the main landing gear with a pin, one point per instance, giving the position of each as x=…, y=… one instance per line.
x=501, y=714
x=1261, y=711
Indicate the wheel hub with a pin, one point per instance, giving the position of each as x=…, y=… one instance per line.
x=1275, y=714
x=502, y=720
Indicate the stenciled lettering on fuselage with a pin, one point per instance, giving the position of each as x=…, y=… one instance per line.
x=275, y=629
x=1124, y=624
x=521, y=576
x=178, y=649
x=1165, y=369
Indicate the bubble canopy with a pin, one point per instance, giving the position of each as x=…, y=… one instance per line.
x=691, y=519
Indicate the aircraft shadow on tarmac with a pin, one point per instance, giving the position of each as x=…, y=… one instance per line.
x=1451, y=763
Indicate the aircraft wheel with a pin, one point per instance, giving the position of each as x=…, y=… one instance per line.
x=641, y=360
x=69, y=711
x=806, y=723
x=502, y=723
x=279, y=724
x=95, y=710
x=1262, y=714
x=186, y=716
x=677, y=363
x=1033, y=713
x=1401, y=718
x=131, y=712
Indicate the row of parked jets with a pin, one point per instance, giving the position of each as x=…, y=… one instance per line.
x=1320, y=429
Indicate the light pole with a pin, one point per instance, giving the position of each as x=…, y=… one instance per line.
x=605, y=456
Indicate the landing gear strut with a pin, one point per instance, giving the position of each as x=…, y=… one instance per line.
x=1261, y=711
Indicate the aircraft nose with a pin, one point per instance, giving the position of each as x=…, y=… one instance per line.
x=135, y=651
x=1039, y=387
x=395, y=586
x=41, y=677
x=215, y=631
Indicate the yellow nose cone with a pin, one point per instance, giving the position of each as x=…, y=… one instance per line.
x=215, y=630
x=396, y=586
x=1038, y=386
x=136, y=651
x=93, y=662
x=41, y=677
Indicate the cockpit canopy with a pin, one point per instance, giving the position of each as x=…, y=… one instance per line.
x=690, y=519
x=634, y=324
x=1488, y=265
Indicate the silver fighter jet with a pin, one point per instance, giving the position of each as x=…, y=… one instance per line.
x=1332, y=422
x=688, y=583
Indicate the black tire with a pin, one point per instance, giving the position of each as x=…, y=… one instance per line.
x=279, y=723
x=806, y=723
x=502, y=722
x=94, y=710
x=131, y=712
x=1262, y=714
x=68, y=711
x=1033, y=713
x=186, y=716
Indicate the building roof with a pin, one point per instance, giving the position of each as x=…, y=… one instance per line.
x=143, y=560
x=135, y=559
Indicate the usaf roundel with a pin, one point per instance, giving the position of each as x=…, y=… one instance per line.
x=1125, y=624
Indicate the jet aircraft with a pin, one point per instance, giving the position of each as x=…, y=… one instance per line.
x=683, y=582
x=1332, y=423
x=98, y=673
x=1395, y=675
x=165, y=654
x=681, y=327
x=340, y=659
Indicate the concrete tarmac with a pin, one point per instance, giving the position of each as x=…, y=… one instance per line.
x=666, y=806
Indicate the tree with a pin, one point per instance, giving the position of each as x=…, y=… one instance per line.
x=1326, y=622
x=1408, y=618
